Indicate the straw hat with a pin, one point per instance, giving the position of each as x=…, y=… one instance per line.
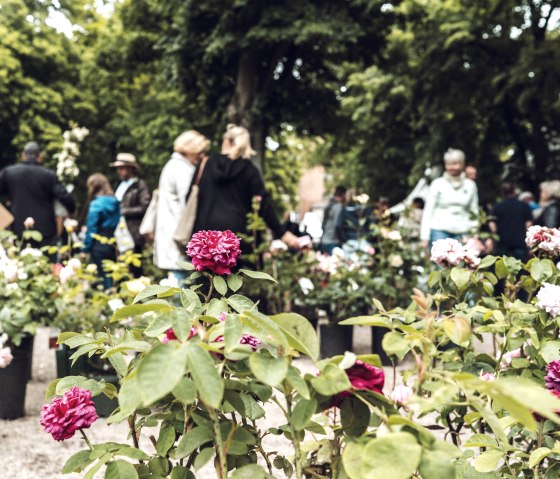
x=125, y=159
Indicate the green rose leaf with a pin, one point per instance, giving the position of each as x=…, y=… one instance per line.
x=155, y=290
x=220, y=285
x=252, y=471
x=185, y=391
x=191, y=441
x=460, y=276
x=538, y=455
x=300, y=333
x=165, y=440
x=488, y=460
x=161, y=370
x=395, y=456
x=458, y=329
x=257, y=275
x=156, y=306
x=235, y=281
x=120, y=469
x=267, y=369
x=302, y=413
x=207, y=380
x=332, y=380
x=78, y=462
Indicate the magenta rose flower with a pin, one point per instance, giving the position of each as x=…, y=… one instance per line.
x=364, y=377
x=214, y=251
x=552, y=378
x=68, y=414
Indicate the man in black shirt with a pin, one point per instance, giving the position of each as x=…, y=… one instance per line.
x=510, y=219
x=32, y=190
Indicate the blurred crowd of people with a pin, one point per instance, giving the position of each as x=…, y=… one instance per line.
x=225, y=185
x=447, y=207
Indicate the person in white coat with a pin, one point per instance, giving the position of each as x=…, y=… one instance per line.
x=174, y=183
x=451, y=209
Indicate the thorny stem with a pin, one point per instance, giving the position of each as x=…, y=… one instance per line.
x=132, y=424
x=261, y=449
x=221, y=467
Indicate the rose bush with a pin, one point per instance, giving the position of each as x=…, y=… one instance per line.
x=186, y=371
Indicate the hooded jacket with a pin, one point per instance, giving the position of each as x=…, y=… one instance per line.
x=227, y=189
x=102, y=219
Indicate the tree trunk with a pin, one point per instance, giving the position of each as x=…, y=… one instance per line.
x=241, y=109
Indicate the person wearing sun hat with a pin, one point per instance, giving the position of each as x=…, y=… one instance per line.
x=134, y=196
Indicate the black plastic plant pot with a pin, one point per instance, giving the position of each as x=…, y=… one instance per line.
x=13, y=385
x=26, y=349
x=377, y=335
x=64, y=366
x=335, y=339
x=103, y=405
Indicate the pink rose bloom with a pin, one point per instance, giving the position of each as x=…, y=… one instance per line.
x=447, y=252
x=543, y=238
x=246, y=339
x=5, y=357
x=214, y=251
x=170, y=335
x=402, y=394
x=29, y=222
x=548, y=298
x=364, y=377
x=552, y=378
x=487, y=376
x=68, y=414
x=222, y=316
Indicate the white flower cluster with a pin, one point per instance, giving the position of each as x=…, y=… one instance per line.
x=449, y=252
x=548, y=298
x=66, y=167
x=544, y=239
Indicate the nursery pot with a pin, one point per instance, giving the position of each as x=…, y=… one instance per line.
x=103, y=405
x=64, y=366
x=335, y=339
x=377, y=335
x=13, y=381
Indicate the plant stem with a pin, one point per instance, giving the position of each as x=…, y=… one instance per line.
x=261, y=449
x=132, y=424
x=86, y=439
x=295, y=440
x=222, y=461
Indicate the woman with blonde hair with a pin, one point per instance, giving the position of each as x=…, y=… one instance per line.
x=550, y=203
x=174, y=182
x=102, y=219
x=229, y=184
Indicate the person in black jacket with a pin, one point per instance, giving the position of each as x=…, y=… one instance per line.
x=228, y=184
x=550, y=202
x=32, y=190
x=134, y=196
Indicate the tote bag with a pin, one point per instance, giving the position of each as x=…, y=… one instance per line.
x=185, y=226
x=148, y=225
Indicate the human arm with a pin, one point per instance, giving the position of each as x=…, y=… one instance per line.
x=142, y=202
x=60, y=193
x=429, y=207
x=473, y=207
x=266, y=210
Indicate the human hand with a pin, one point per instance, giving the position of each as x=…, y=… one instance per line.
x=291, y=240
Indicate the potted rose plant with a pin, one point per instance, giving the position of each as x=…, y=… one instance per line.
x=27, y=293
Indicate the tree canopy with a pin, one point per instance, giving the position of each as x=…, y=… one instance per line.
x=387, y=86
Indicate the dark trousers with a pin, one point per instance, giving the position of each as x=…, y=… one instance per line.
x=99, y=252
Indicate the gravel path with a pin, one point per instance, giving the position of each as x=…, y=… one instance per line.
x=27, y=452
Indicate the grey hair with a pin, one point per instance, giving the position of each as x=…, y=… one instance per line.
x=454, y=155
x=31, y=151
x=551, y=188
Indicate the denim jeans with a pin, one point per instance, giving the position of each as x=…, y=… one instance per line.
x=99, y=252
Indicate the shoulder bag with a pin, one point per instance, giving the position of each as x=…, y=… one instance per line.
x=185, y=226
